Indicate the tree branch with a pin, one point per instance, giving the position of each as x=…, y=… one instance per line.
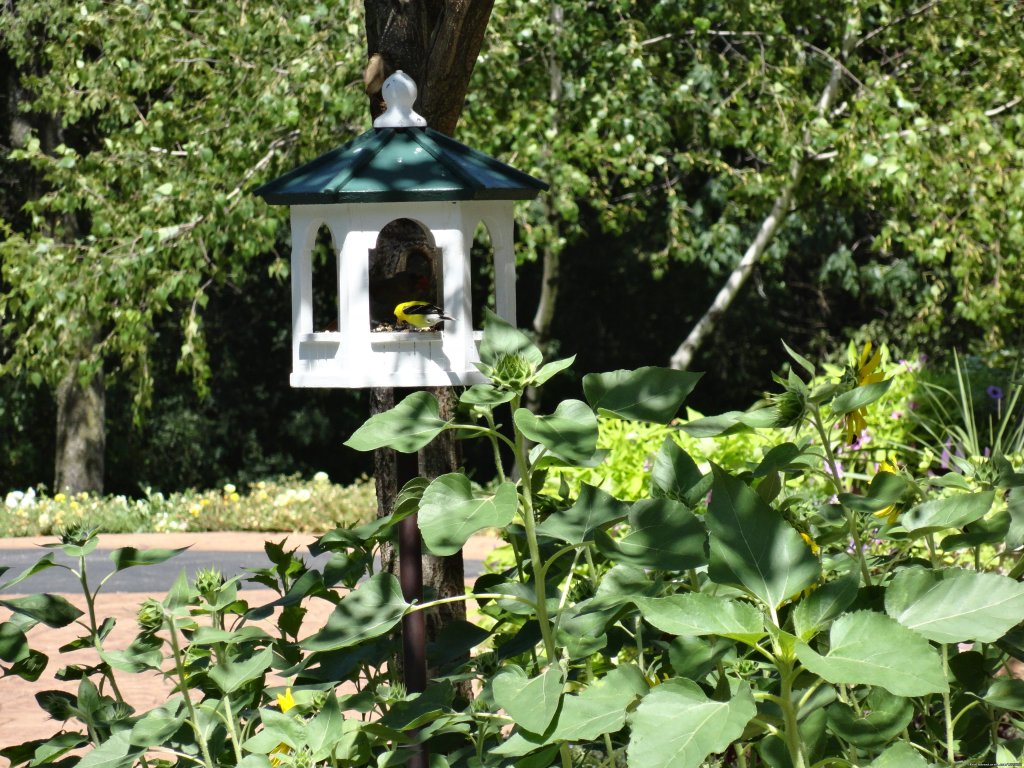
x=683, y=356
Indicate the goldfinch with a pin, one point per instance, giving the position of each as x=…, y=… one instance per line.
x=420, y=314
x=387, y=292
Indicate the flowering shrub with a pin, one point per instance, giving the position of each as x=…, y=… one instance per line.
x=282, y=504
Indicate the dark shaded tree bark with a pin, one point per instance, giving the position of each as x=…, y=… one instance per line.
x=435, y=42
x=79, y=458
x=81, y=435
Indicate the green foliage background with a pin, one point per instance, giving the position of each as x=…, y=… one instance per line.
x=665, y=129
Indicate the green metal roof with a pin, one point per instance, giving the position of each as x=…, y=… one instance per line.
x=400, y=165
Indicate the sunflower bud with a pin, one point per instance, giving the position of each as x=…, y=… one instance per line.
x=208, y=581
x=57, y=703
x=120, y=711
x=512, y=372
x=76, y=533
x=789, y=406
x=150, y=615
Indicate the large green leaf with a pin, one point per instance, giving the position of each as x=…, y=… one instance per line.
x=731, y=422
x=530, y=702
x=880, y=717
x=233, y=674
x=900, y=755
x=1015, y=508
x=450, y=512
x=824, y=604
x=955, y=605
x=951, y=512
x=872, y=649
x=593, y=509
x=278, y=728
x=600, y=708
x=325, y=730
x=695, y=614
x=369, y=611
x=581, y=628
x=158, y=725
x=406, y=428
x=485, y=395
x=646, y=394
x=1006, y=693
x=886, y=489
x=753, y=546
x=13, y=643
x=145, y=652
x=675, y=475
x=52, y=610
x=46, y=561
x=662, y=534
x=677, y=725
x=417, y=709
x=115, y=752
x=859, y=397
x=550, y=369
x=570, y=432
x=126, y=557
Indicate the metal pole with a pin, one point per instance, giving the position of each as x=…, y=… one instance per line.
x=410, y=576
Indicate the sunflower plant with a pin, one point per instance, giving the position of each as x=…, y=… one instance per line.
x=772, y=613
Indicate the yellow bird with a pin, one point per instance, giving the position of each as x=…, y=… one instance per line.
x=420, y=314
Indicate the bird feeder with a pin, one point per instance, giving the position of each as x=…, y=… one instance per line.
x=402, y=203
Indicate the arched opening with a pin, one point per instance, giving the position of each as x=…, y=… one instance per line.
x=324, y=265
x=482, y=272
x=405, y=266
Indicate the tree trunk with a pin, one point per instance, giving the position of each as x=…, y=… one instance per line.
x=435, y=42
x=81, y=410
x=683, y=356
x=81, y=435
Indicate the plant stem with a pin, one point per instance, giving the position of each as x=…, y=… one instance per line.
x=610, y=749
x=457, y=598
x=94, y=629
x=929, y=539
x=947, y=709
x=489, y=418
x=851, y=516
x=229, y=723
x=789, y=714
x=179, y=666
x=530, y=527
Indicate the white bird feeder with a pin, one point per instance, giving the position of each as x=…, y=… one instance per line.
x=400, y=170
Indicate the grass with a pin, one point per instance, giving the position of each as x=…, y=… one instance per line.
x=280, y=504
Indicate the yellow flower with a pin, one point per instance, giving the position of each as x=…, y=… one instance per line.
x=891, y=512
x=865, y=372
x=60, y=497
x=285, y=701
x=815, y=549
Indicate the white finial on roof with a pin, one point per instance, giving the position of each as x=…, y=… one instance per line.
x=399, y=93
